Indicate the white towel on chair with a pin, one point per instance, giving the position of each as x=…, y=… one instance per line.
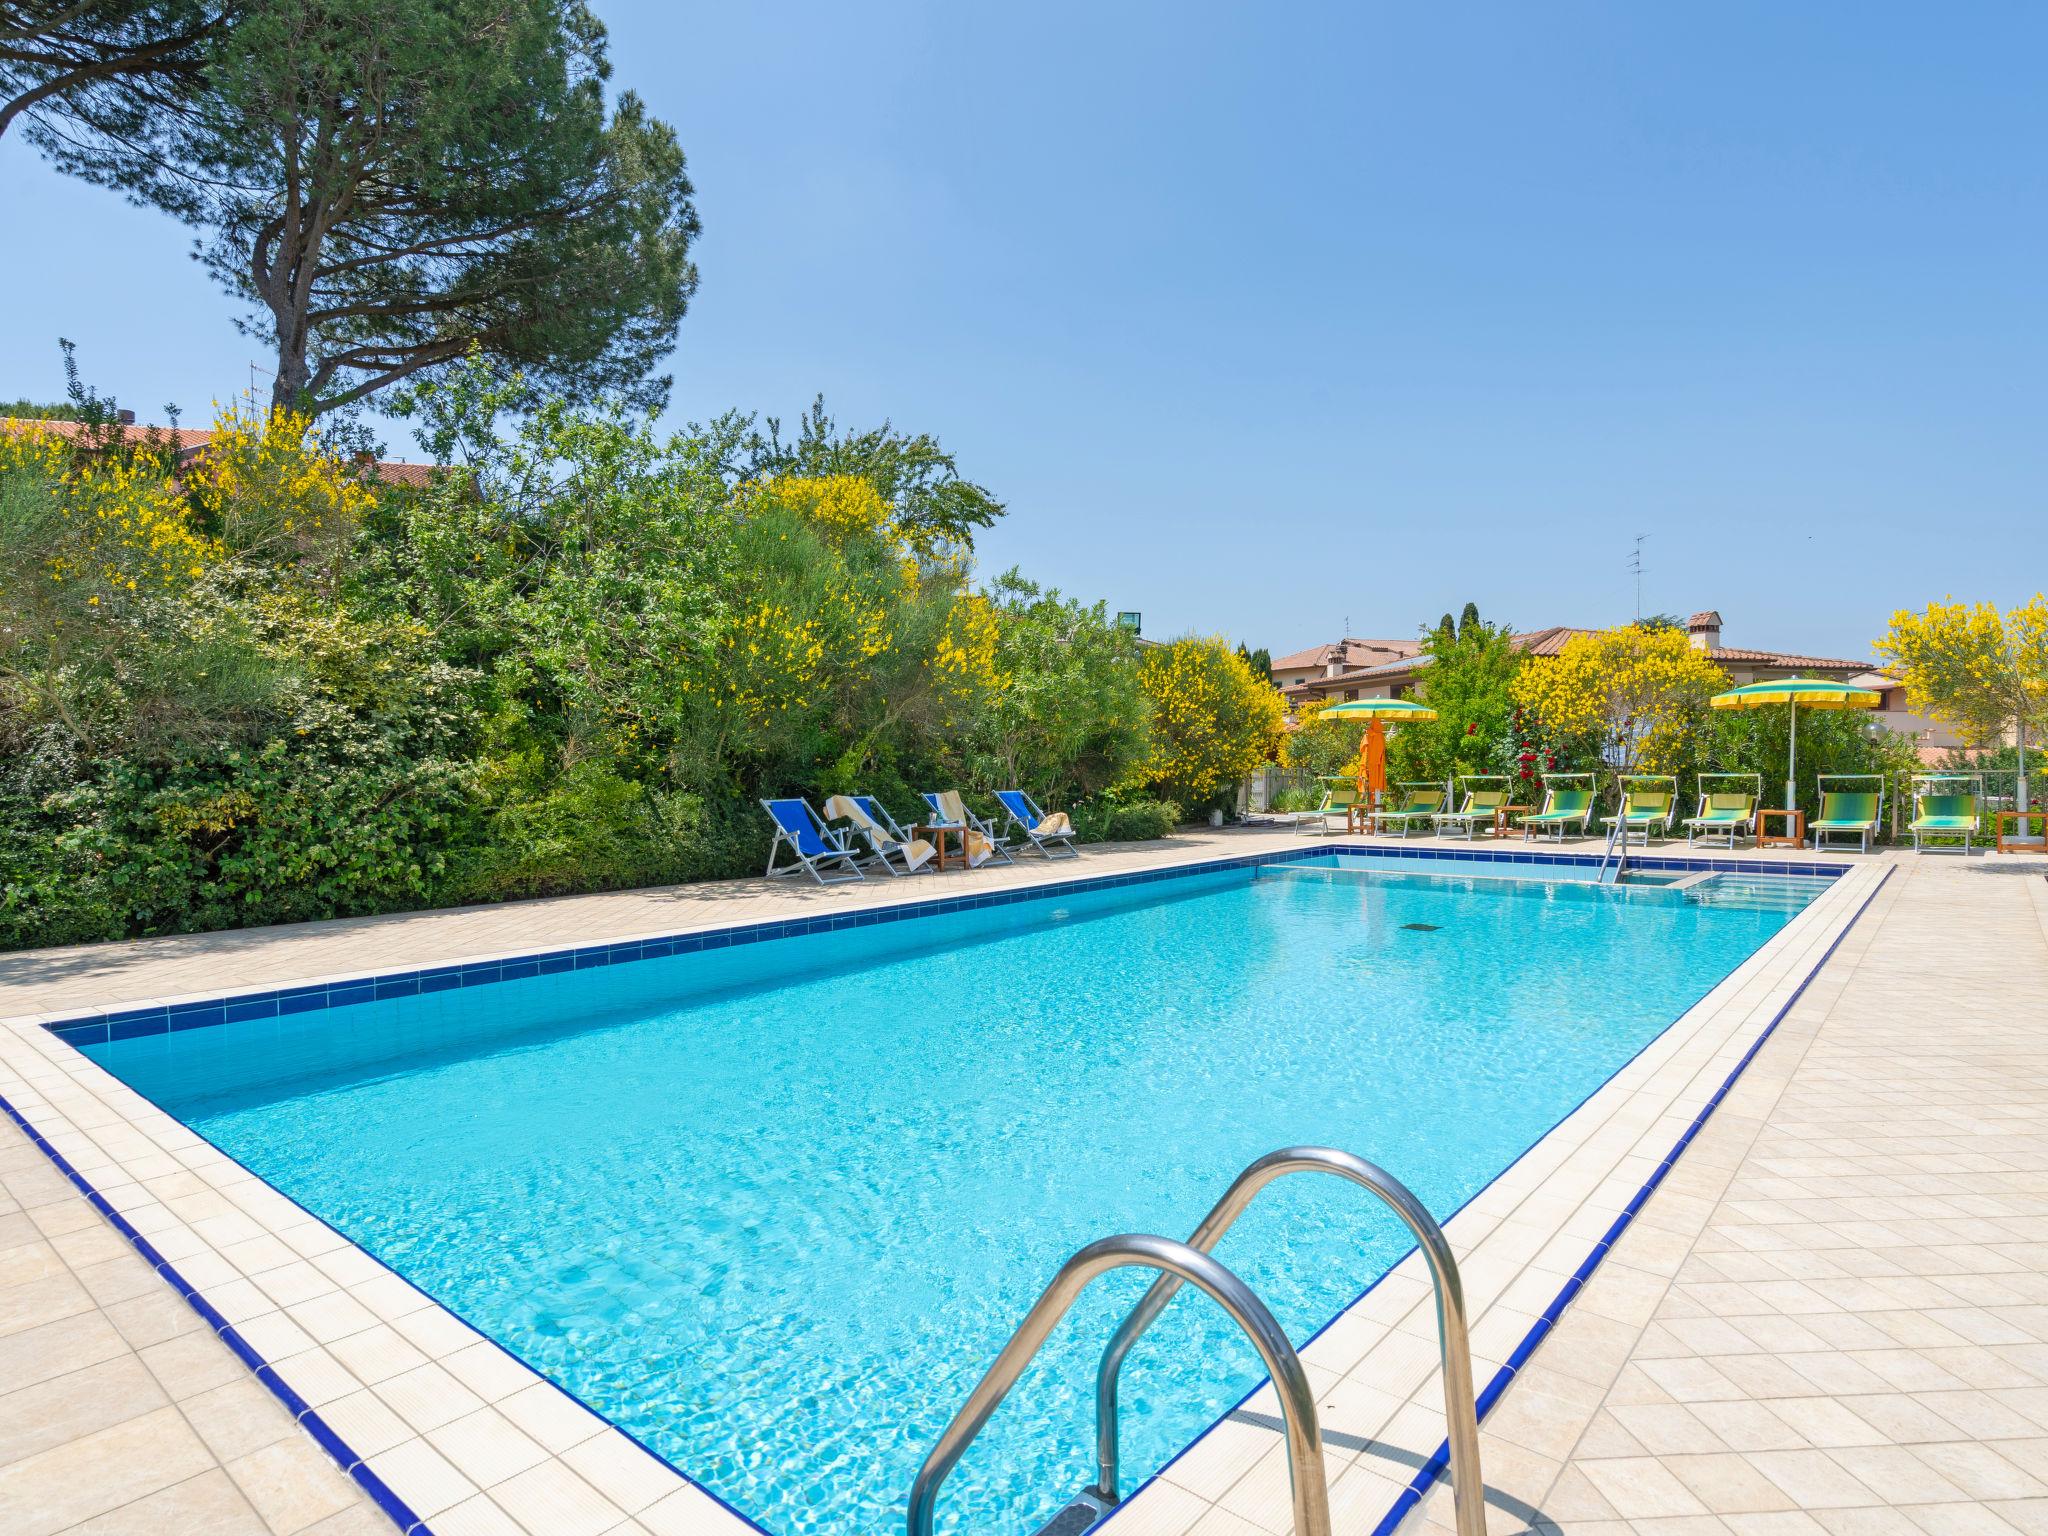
x=954, y=809
x=916, y=852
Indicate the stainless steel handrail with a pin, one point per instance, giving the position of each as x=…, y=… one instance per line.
x=1615, y=829
x=1468, y=1489
x=1181, y=1263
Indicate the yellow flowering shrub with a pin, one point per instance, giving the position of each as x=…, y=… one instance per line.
x=839, y=506
x=273, y=490
x=1981, y=671
x=964, y=660
x=774, y=660
x=101, y=530
x=1641, y=692
x=1214, y=720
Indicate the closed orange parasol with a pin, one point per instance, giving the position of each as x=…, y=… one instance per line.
x=1372, y=755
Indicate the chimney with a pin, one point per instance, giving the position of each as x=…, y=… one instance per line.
x=127, y=418
x=1704, y=630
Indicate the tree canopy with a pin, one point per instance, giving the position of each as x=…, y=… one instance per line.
x=1982, y=671
x=99, y=69
x=1471, y=665
x=394, y=184
x=935, y=508
x=1214, y=720
x=257, y=686
x=1638, y=693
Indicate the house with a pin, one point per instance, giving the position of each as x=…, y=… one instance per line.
x=1933, y=739
x=189, y=443
x=1338, y=658
x=1395, y=676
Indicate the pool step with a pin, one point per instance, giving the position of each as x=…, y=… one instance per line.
x=1753, y=893
x=1076, y=1517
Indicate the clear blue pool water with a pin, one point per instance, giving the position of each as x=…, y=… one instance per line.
x=774, y=1209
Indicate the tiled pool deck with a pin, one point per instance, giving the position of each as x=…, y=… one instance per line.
x=121, y=1410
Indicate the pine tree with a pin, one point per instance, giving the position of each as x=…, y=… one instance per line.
x=392, y=185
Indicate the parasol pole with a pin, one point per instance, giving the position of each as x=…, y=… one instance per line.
x=1792, y=762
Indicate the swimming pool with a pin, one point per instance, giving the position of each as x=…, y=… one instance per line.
x=774, y=1207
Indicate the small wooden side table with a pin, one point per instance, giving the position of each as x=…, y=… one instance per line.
x=2018, y=843
x=1501, y=813
x=1796, y=818
x=935, y=834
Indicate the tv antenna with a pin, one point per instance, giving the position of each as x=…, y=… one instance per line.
x=1635, y=565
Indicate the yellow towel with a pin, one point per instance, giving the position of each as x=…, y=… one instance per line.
x=955, y=811
x=1055, y=825
x=916, y=852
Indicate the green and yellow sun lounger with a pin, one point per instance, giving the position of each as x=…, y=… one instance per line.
x=1726, y=815
x=1484, y=794
x=1847, y=812
x=1339, y=796
x=1567, y=801
x=1945, y=816
x=1410, y=803
x=1648, y=802
x=1727, y=807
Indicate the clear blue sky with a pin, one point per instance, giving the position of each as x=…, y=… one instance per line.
x=1261, y=318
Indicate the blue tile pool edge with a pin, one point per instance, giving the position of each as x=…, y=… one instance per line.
x=1438, y=1465
x=303, y=1414
x=101, y=1026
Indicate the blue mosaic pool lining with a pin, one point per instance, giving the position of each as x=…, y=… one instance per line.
x=98, y=1027
x=304, y=1414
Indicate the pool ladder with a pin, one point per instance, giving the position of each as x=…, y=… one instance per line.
x=1617, y=849
x=1190, y=1263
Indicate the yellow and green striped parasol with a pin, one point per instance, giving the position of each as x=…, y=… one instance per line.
x=1813, y=692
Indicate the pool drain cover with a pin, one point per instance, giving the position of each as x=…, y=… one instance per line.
x=1423, y=927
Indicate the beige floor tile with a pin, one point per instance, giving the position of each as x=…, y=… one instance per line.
x=95, y=1473
x=79, y=1403
x=207, y=1505
x=292, y=1485
x=1813, y=1480
x=553, y=1501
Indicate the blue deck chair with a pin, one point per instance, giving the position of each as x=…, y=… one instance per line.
x=878, y=813
x=815, y=846
x=997, y=848
x=1023, y=812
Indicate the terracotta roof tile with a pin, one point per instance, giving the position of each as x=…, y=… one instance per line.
x=1349, y=651
x=185, y=437
x=1787, y=659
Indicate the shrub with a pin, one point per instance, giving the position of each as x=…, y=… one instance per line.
x=1322, y=745
x=1135, y=821
x=1214, y=721
x=1472, y=670
x=1639, y=693
x=260, y=689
